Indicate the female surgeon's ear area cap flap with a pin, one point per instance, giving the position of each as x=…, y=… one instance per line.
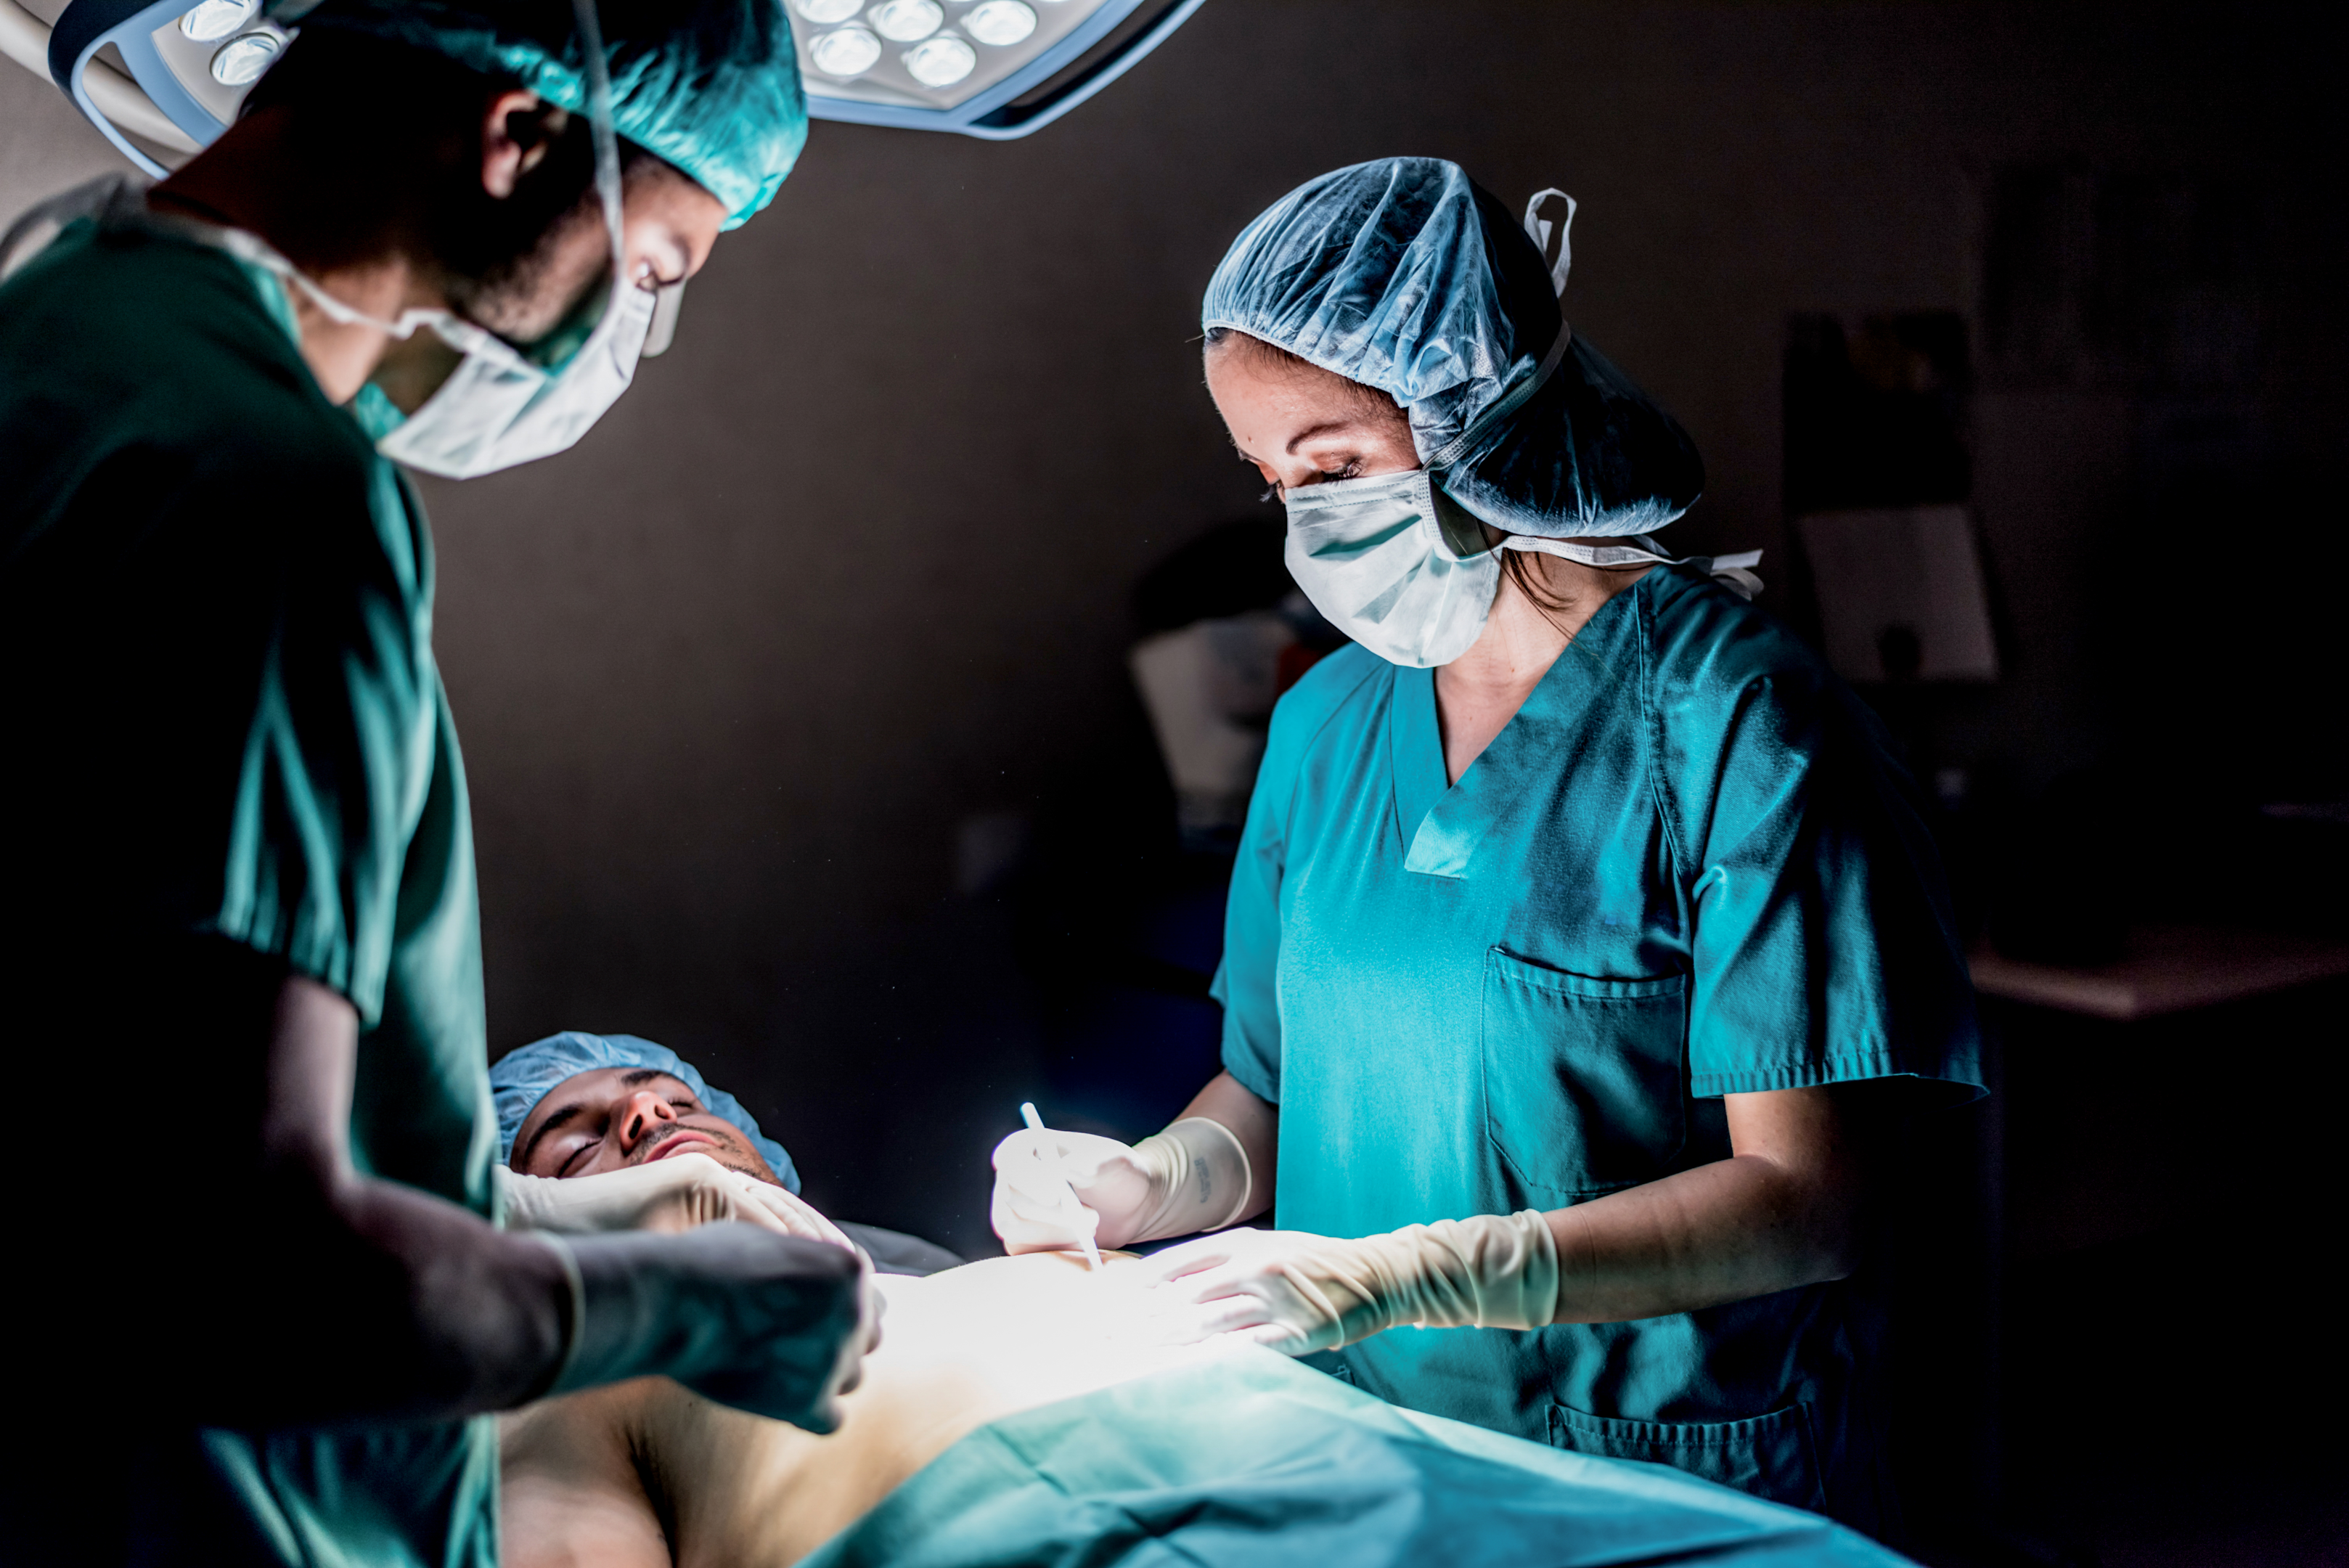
x=528, y=1074
x=1405, y=275
x=710, y=86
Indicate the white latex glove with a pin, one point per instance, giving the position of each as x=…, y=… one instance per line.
x=1296, y=1292
x=1192, y=1177
x=674, y=1194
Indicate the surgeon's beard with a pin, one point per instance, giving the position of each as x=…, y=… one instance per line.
x=522, y=264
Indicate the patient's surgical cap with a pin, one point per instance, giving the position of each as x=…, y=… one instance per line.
x=527, y=1074
x=711, y=86
x=1405, y=275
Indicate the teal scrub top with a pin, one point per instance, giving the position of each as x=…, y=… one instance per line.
x=225, y=719
x=1687, y=867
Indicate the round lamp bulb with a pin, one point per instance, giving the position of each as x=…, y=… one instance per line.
x=240, y=61
x=850, y=51
x=1000, y=22
x=940, y=62
x=216, y=20
x=903, y=21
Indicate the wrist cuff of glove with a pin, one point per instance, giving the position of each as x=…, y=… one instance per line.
x=1199, y=1175
x=571, y=1310
x=1489, y=1272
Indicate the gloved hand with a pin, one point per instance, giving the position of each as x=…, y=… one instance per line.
x=673, y=1194
x=777, y=1325
x=1298, y=1292
x=1192, y=1177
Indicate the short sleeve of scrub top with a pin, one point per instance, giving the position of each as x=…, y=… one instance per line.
x=220, y=600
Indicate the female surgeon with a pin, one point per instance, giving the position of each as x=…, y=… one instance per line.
x=1583, y=934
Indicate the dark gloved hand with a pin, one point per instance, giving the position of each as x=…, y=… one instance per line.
x=777, y=1325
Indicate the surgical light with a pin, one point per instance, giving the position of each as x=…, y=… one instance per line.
x=847, y=52
x=903, y=21
x=1000, y=23
x=1034, y=61
x=216, y=20
x=941, y=61
x=240, y=61
x=184, y=69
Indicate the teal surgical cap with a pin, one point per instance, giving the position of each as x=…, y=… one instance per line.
x=1405, y=275
x=711, y=86
x=528, y=1074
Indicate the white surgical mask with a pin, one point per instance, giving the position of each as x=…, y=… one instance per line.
x=1374, y=557
x=1407, y=576
x=500, y=407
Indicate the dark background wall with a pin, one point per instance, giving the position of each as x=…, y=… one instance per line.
x=852, y=563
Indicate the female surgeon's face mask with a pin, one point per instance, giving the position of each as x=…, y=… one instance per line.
x=1383, y=565
x=1401, y=569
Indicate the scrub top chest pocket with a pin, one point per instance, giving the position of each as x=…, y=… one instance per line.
x=1585, y=1079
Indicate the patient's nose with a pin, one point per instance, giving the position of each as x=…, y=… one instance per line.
x=642, y=1114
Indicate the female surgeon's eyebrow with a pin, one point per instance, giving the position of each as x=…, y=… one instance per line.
x=1326, y=426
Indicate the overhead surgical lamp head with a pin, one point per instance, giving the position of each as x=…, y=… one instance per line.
x=991, y=69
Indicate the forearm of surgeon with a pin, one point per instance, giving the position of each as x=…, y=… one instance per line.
x=1782, y=1212
x=1255, y=1123
x=359, y=1297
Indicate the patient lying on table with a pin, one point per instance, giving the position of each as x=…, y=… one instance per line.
x=648, y=1473
x=1018, y=1410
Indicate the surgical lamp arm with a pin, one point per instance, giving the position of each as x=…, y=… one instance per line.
x=25, y=39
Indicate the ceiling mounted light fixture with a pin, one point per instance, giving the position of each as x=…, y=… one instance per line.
x=991, y=69
x=1034, y=60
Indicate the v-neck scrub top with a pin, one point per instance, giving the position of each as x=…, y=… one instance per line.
x=1687, y=867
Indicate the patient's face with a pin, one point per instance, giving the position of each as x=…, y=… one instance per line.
x=615, y=1118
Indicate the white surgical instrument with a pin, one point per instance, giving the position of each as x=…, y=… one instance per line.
x=1036, y=1124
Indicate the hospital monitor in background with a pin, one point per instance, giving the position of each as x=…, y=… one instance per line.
x=1900, y=594
x=996, y=69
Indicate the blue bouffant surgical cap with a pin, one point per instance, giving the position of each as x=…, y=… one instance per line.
x=527, y=1074
x=1405, y=275
x=710, y=86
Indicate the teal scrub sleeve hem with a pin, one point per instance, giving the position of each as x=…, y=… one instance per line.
x=337, y=751
x=1950, y=1086
x=1249, y=1073
x=1820, y=920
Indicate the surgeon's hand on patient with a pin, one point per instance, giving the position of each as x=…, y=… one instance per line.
x=675, y=1194
x=776, y=1325
x=1192, y=1177
x=1296, y=1292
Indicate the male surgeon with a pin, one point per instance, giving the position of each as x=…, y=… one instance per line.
x=266, y=1316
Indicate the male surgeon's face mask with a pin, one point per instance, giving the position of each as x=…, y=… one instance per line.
x=501, y=407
